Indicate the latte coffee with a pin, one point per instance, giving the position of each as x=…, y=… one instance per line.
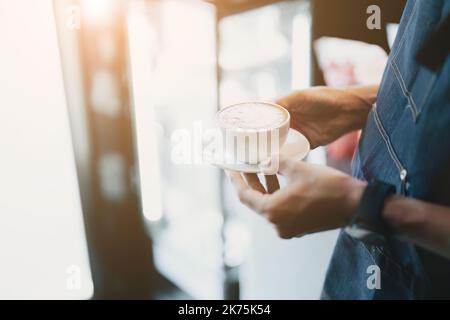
x=252, y=116
x=253, y=131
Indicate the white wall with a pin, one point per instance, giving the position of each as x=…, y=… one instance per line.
x=41, y=228
x=285, y=269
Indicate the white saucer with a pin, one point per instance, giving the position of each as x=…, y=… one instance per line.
x=296, y=148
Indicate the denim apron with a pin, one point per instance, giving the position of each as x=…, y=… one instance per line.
x=406, y=142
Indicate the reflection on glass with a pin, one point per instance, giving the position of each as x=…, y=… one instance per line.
x=173, y=57
x=174, y=84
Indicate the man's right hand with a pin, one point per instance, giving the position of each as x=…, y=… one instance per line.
x=324, y=114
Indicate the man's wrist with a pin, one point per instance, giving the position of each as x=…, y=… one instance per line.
x=391, y=209
x=368, y=94
x=358, y=104
x=368, y=224
x=402, y=214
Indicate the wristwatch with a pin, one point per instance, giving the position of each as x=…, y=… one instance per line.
x=367, y=223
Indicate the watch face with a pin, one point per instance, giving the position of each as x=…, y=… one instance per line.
x=365, y=235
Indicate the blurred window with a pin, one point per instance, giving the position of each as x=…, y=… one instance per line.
x=42, y=241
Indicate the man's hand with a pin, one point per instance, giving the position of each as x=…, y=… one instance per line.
x=316, y=198
x=324, y=114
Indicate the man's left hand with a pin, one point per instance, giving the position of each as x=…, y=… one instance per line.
x=315, y=198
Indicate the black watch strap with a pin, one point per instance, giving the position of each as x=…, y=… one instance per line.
x=367, y=223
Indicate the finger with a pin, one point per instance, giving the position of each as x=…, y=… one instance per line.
x=237, y=180
x=284, y=166
x=269, y=167
x=253, y=181
x=251, y=198
x=287, y=166
x=254, y=200
x=272, y=183
x=286, y=101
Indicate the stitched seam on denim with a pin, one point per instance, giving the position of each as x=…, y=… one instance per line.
x=366, y=248
x=387, y=140
x=390, y=260
x=373, y=146
x=400, y=267
x=411, y=277
x=372, y=257
x=402, y=40
x=406, y=93
x=369, y=252
x=374, y=149
x=427, y=92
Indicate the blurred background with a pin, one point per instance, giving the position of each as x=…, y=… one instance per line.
x=91, y=93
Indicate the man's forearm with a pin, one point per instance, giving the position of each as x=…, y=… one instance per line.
x=323, y=114
x=425, y=224
x=366, y=93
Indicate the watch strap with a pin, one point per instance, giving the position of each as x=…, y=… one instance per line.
x=367, y=223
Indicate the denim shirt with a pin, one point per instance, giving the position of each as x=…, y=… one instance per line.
x=406, y=142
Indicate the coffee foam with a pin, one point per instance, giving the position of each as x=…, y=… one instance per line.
x=252, y=116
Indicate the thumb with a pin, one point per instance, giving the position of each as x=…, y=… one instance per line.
x=288, y=166
x=270, y=166
x=284, y=165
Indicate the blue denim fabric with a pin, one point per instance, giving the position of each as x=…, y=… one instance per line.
x=406, y=142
